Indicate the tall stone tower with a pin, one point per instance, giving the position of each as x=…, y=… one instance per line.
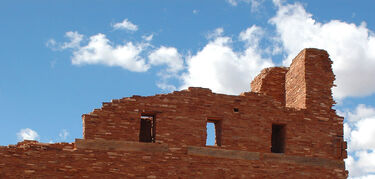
x=309, y=81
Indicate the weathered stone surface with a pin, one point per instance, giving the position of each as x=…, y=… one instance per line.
x=312, y=161
x=113, y=145
x=271, y=82
x=222, y=153
x=298, y=98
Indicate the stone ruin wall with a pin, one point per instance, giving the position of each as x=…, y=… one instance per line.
x=298, y=97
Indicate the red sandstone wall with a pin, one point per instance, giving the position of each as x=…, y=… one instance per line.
x=181, y=120
x=309, y=81
x=271, y=82
x=319, y=80
x=295, y=84
x=314, y=146
x=33, y=160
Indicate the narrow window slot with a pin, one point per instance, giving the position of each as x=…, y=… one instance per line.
x=213, y=131
x=278, y=138
x=147, y=128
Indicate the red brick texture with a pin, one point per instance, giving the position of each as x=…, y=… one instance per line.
x=271, y=82
x=299, y=98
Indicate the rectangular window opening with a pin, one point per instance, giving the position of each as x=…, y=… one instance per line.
x=213, y=132
x=278, y=138
x=147, y=130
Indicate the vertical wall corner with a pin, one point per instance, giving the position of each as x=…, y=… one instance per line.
x=309, y=81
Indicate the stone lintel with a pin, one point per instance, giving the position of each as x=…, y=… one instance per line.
x=115, y=145
x=267, y=157
x=303, y=160
x=222, y=153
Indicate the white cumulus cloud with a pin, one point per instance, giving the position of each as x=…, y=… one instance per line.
x=170, y=57
x=351, y=47
x=100, y=50
x=27, y=134
x=359, y=132
x=360, y=127
x=75, y=40
x=251, y=36
x=218, y=67
x=361, y=112
x=125, y=25
x=363, y=135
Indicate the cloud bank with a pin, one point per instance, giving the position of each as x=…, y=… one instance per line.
x=217, y=64
x=214, y=66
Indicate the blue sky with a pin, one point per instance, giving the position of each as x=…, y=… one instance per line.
x=61, y=59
